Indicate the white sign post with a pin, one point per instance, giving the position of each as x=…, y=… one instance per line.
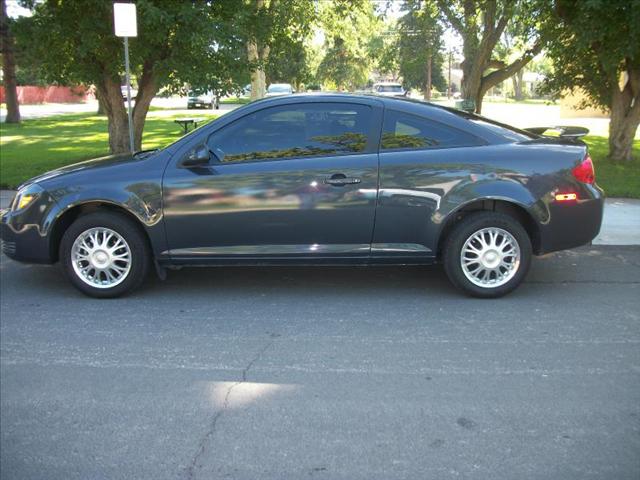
x=126, y=25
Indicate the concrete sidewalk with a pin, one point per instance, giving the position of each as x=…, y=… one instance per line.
x=621, y=224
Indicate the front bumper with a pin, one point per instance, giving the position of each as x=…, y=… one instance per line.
x=25, y=235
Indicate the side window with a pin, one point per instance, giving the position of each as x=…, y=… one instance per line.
x=405, y=131
x=291, y=131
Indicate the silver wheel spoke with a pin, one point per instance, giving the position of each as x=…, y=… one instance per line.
x=96, y=262
x=490, y=257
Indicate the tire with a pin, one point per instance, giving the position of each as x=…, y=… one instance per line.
x=111, y=251
x=503, y=273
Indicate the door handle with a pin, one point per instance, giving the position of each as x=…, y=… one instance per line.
x=340, y=179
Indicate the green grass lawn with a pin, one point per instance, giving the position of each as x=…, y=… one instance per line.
x=619, y=179
x=235, y=101
x=36, y=146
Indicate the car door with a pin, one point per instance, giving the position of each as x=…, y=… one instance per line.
x=421, y=160
x=294, y=179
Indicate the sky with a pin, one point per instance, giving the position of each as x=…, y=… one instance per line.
x=14, y=10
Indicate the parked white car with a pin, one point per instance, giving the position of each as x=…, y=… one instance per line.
x=389, y=89
x=123, y=90
x=277, y=89
x=201, y=99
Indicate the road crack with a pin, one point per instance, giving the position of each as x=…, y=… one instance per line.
x=194, y=465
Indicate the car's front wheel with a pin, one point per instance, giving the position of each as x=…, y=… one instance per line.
x=487, y=254
x=104, y=255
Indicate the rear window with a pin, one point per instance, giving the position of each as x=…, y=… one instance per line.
x=498, y=128
x=403, y=131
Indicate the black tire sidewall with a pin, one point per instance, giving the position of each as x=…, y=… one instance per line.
x=467, y=227
x=134, y=238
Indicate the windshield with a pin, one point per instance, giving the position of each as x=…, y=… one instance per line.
x=279, y=89
x=197, y=93
x=389, y=88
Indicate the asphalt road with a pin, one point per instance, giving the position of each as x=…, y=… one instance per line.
x=334, y=373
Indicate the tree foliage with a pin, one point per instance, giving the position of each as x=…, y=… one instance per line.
x=481, y=24
x=178, y=42
x=269, y=27
x=597, y=49
x=416, y=48
x=350, y=28
x=289, y=62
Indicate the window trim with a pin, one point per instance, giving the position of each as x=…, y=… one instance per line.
x=371, y=134
x=481, y=142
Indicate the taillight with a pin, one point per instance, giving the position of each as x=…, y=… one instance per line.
x=585, y=172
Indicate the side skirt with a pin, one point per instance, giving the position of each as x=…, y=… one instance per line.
x=294, y=261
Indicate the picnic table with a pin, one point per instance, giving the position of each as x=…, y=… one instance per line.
x=185, y=122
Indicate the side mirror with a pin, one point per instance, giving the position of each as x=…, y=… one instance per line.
x=197, y=157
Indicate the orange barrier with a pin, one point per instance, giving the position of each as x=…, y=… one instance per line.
x=52, y=94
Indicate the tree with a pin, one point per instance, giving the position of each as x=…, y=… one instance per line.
x=8, y=67
x=597, y=49
x=265, y=22
x=415, y=52
x=350, y=28
x=289, y=62
x=481, y=23
x=177, y=41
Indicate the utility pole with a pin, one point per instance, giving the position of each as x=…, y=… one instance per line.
x=449, y=86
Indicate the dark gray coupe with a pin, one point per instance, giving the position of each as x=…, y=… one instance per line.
x=322, y=180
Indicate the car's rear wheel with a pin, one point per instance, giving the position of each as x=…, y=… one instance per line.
x=104, y=255
x=487, y=254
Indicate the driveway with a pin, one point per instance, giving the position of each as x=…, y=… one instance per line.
x=336, y=373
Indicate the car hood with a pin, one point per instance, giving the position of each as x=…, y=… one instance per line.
x=91, y=164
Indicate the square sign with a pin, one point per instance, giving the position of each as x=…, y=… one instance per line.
x=124, y=19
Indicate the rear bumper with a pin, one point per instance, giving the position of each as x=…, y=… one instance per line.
x=573, y=224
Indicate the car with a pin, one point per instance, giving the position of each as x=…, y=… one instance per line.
x=123, y=91
x=202, y=99
x=316, y=179
x=389, y=89
x=277, y=89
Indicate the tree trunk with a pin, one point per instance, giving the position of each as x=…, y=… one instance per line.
x=115, y=108
x=257, y=57
x=100, y=105
x=147, y=89
x=471, y=80
x=518, y=79
x=625, y=117
x=427, y=83
x=8, y=68
x=118, y=124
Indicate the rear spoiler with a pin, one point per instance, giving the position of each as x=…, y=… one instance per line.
x=563, y=132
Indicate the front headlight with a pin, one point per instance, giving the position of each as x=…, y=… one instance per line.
x=26, y=196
